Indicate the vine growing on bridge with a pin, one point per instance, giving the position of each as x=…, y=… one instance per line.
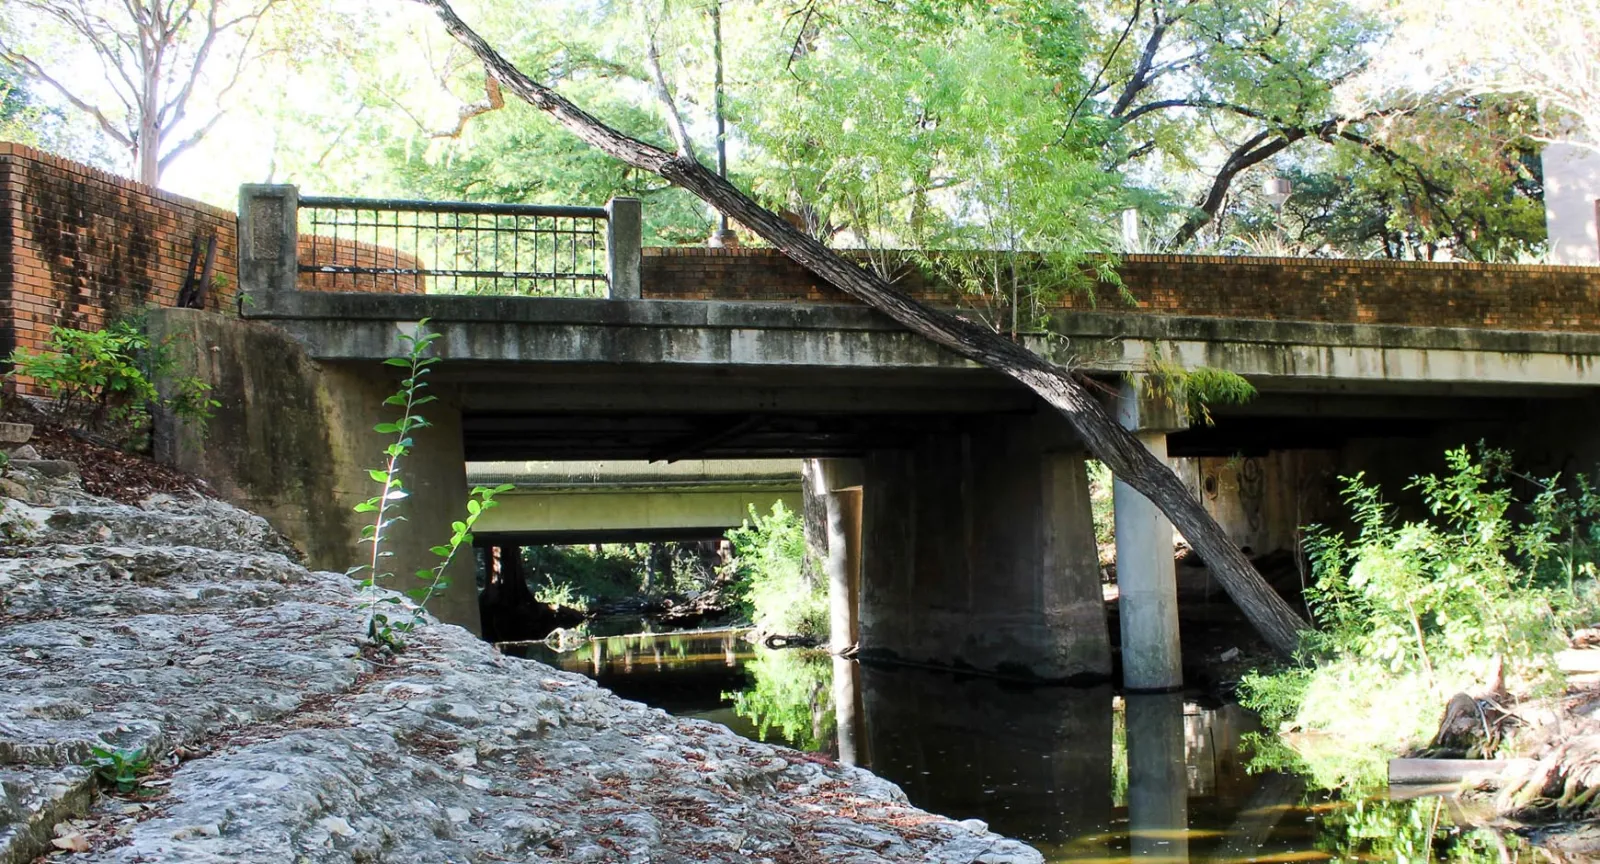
x=381, y=629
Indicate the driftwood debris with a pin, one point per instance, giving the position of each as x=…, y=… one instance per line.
x=1474, y=724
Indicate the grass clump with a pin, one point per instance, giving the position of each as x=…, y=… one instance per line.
x=1409, y=613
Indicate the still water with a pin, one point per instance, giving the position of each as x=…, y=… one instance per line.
x=1082, y=774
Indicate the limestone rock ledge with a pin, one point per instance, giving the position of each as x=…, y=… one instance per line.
x=188, y=627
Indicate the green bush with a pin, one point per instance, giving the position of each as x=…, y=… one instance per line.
x=1470, y=582
x=1409, y=613
x=583, y=577
x=1102, y=508
x=769, y=556
x=101, y=382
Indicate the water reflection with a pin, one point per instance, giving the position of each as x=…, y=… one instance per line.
x=1158, y=777
x=1082, y=774
x=1033, y=763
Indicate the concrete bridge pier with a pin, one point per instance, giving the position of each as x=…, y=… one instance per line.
x=978, y=552
x=841, y=487
x=1147, y=586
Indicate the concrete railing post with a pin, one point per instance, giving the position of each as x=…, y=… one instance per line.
x=624, y=239
x=1147, y=587
x=268, y=230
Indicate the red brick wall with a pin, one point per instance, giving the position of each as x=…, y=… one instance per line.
x=1492, y=296
x=316, y=250
x=79, y=245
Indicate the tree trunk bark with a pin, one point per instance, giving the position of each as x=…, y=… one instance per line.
x=1107, y=440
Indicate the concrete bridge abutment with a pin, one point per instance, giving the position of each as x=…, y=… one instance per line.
x=292, y=440
x=978, y=552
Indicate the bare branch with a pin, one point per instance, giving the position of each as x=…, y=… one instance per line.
x=1259, y=148
x=1094, y=85
x=33, y=70
x=680, y=134
x=493, y=101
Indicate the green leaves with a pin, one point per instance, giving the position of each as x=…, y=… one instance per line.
x=1467, y=582
x=380, y=629
x=117, y=768
x=481, y=501
x=102, y=382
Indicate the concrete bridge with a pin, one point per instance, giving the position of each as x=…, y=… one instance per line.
x=958, y=503
x=630, y=502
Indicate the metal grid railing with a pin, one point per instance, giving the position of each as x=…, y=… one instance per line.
x=451, y=247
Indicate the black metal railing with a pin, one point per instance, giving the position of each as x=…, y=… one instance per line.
x=451, y=247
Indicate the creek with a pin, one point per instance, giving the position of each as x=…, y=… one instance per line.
x=1082, y=774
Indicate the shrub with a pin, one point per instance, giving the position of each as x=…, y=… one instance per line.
x=583, y=577
x=101, y=382
x=769, y=556
x=1468, y=583
x=1102, y=508
x=1410, y=613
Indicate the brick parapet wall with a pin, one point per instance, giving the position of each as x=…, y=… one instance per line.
x=82, y=245
x=339, y=251
x=1488, y=296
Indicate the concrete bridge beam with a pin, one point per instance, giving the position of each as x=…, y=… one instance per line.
x=1147, y=586
x=978, y=552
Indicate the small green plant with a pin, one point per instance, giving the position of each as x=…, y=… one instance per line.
x=102, y=382
x=381, y=628
x=553, y=593
x=119, y=769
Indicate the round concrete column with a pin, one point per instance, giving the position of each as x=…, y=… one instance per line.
x=1147, y=586
x=841, y=489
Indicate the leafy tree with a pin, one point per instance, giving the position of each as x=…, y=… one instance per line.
x=1195, y=96
x=1464, y=179
x=1525, y=49
x=20, y=113
x=155, y=57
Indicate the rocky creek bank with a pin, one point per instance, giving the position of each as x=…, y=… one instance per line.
x=186, y=627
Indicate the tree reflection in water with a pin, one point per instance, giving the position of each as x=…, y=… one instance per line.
x=1084, y=775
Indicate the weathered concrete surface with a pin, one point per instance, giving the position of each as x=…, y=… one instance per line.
x=1146, y=580
x=849, y=339
x=978, y=551
x=293, y=439
x=183, y=627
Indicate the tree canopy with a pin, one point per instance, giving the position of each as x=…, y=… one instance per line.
x=1016, y=126
x=1022, y=125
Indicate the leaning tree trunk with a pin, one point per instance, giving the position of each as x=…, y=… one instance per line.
x=1107, y=440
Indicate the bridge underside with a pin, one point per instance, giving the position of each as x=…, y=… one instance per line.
x=973, y=510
